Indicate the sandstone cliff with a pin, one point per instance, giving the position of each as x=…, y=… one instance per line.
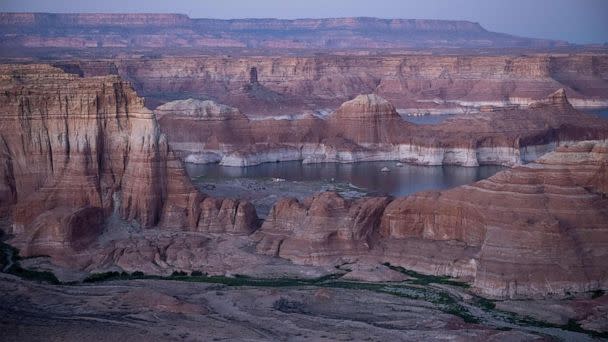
x=322, y=227
x=74, y=150
x=532, y=230
x=369, y=128
x=137, y=31
x=368, y=119
x=414, y=83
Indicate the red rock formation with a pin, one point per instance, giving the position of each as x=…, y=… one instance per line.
x=368, y=119
x=323, y=227
x=73, y=141
x=369, y=128
x=64, y=229
x=555, y=225
x=175, y=30
x=226, y=216
x=70, y=143
x=414, y=83
x=207, y=124
x=532, y=230
x=74, y=150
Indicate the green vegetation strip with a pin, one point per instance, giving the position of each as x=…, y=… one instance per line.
x=10, y=254
x=413, y=289
x=489, y=306
x=424, y=279
x=444, y=301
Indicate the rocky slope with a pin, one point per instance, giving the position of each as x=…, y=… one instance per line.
x=535, y=229
x=84, y=166
x=137, y=31
x=75, y=150
x=414, y=83
x=214, y=125
x=177, y=310
x=369, y=128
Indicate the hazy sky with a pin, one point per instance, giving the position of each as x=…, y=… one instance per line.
x=577, y=21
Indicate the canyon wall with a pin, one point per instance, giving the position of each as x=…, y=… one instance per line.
x=75, y=150
x=145, y=31
x=539, y=229
x=415, y=84
x=369, y=128
x=82, y=156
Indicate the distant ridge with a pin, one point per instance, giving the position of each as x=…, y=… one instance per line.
x=131, y=30
x=164, y=19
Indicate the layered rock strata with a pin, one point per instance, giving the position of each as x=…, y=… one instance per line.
x=533, y=230
x=414, y=83
x=145, y=31
x=369, y=128
x=74, y=150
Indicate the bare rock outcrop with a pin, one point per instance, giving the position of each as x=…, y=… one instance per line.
x=76, y=148
x=64, y=230
x=203, y=125
x=369, y=128
x=557, y=236
x=227, y=216
x=324, y=227
x=529, y=231
x=413, y=83
x=199, y=109
x=367, y=119
x=557, y=99
x=164, y=31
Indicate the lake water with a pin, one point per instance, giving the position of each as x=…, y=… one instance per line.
x=439, y=118
x=264, y=184
x=601, y=112
x=427, y=119
x=400, y=181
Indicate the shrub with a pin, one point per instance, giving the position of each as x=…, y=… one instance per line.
x=94, y=277
x=24, y=273
x=288, y=306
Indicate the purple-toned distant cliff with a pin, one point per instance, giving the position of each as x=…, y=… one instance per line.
x=179, y=31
